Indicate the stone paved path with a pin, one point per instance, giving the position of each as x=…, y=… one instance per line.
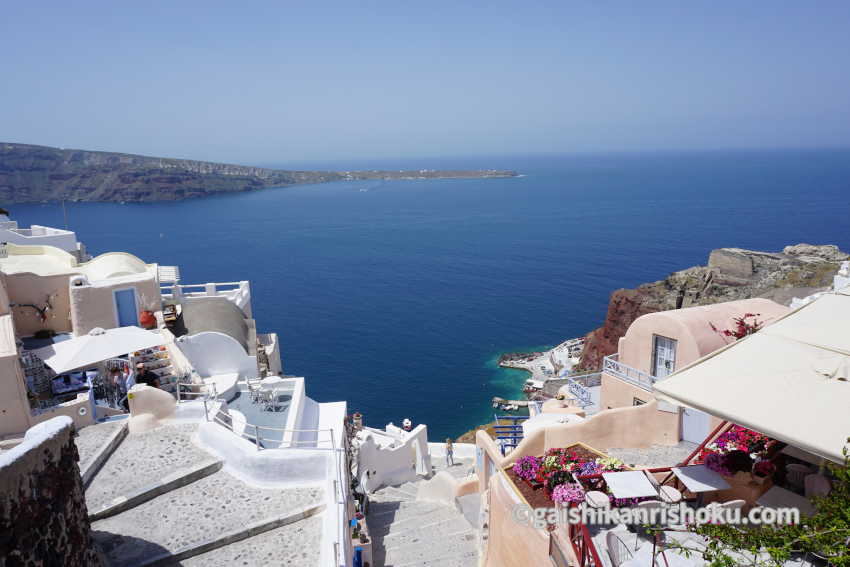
x=410, y=533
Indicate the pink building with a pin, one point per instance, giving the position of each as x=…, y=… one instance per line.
x=658, y=344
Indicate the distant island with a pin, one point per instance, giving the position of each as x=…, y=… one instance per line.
x=31, y=173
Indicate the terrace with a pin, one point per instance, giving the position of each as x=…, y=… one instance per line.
x=633, y=530
x=611, y=365
x=239, y=293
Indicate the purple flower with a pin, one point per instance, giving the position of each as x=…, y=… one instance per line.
x=589, y=468
x=526, y=467
x=718, y=463
x=568, y=493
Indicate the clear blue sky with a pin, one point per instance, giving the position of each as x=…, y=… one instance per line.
x=274, y=82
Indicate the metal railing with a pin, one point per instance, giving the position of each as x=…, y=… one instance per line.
x=583, y=381
x=613, y=366
x=211, y=392
x=226, y=420
x=583, y=395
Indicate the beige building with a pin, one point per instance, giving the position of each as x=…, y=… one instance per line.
x=47, y=296
x=658, y=344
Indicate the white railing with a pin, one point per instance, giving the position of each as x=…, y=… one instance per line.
x=613, y=366
x=580, y=392
x=237, y=292
x=36, y=230
x=225, y=420
x=189, y=395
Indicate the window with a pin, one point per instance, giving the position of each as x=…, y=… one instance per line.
x=638, y=402
x=663, y=356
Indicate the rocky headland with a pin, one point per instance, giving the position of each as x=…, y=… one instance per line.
x=731, y=273
x=39, y=173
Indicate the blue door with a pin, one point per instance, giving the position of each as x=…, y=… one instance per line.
x=125, y=304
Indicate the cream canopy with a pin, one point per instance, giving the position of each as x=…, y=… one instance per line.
x=96, y=346
x=791, y=380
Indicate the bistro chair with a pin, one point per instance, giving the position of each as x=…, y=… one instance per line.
x=667, y=494
x=795, y=475
x=618, y=551
x=816, y=485
x=597, y=499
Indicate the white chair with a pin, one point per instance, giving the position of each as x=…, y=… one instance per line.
x=666, y=493
x=721, y=508
x=597, y=499
x=618, y=551
x=795, y=475
x=816, y=485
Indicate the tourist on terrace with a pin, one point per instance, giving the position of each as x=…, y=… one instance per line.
x=450, y=454
x=145, y=376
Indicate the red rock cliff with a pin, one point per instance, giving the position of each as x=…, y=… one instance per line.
x=732, y=273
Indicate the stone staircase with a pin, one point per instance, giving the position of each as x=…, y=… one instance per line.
x=407, y=532
x=156, y=498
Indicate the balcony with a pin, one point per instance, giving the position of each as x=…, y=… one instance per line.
x=611, y=365
x=237, y=292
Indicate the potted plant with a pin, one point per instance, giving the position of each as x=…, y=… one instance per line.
x=763, y=470
x=147, y=319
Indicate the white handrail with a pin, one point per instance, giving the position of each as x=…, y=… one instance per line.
x=612, y=365
x=338, y=479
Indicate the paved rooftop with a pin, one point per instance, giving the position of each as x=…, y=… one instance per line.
x=655, y=455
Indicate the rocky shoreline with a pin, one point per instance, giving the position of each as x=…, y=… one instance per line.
x=730, y=274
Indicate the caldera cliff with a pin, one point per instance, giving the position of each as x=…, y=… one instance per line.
x=39, y=173
x=731, y=273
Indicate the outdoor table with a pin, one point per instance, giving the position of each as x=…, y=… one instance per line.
x=629, y=484
x=778, y=497
x=700, y=479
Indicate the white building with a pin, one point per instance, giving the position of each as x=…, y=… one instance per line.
x=38, y=235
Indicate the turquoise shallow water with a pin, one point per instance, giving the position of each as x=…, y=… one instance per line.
x=399, y=298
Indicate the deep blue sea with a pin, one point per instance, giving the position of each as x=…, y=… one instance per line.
x=399, y=296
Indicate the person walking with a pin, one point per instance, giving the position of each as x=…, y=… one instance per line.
x=450, y=457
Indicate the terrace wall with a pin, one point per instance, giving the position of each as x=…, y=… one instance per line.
x=33, y=289
x=43, y=515
x=632, y=426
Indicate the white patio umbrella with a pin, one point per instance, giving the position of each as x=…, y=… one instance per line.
x=96, y=346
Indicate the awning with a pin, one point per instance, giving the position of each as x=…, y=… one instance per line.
x=789, y=381
x=97, y=346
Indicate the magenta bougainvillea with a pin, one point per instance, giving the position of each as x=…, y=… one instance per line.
x=743, y=326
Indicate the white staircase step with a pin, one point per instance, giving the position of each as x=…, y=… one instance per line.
x=392, y=493
x=397, y=511
x=426, y=531
x=213, y=511
x=384, y=526
x=293, y=545
x=143, y=458
x=447, y=546
x=465, y=559
x=96, y=443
